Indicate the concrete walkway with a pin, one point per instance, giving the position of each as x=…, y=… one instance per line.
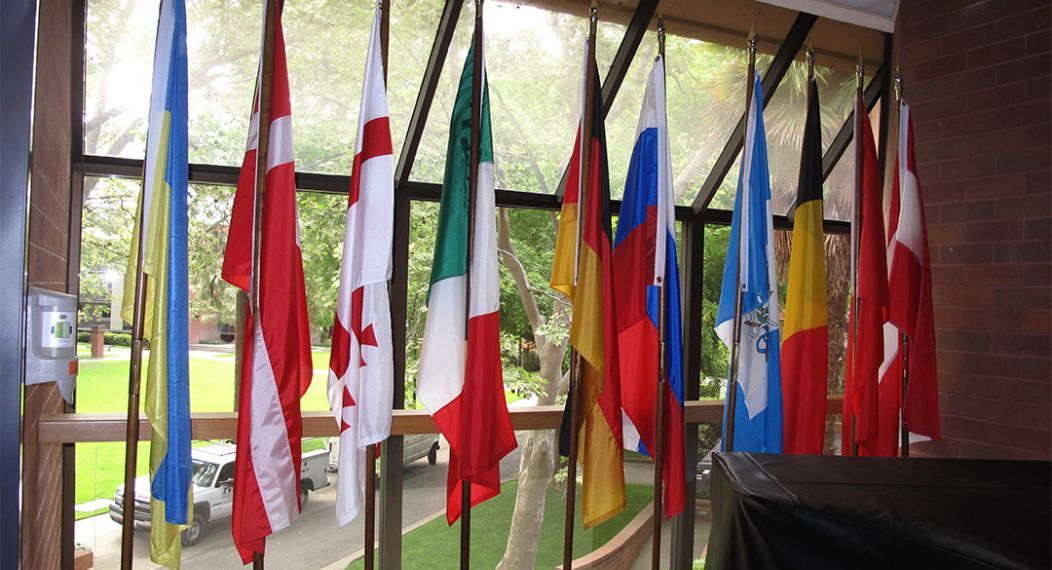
x=642, y=472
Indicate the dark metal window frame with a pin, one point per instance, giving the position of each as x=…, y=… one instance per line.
x=694, y=218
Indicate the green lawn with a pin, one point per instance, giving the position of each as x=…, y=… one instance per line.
x=436, y=545
x=102, y=386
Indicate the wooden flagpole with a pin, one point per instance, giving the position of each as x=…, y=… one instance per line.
x=904, y=340
x=576, y=363
x=476, y=135
x=662, y=380
x=270, y=8
x=131, y=436
x=732, y=382
x=371, y=449
x=856, y=238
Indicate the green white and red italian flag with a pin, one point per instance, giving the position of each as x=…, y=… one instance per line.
x=460, y=380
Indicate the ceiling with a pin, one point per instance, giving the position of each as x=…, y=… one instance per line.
x=844, y=27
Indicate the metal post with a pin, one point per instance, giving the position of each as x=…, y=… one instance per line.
x=576, y=362
x=659, y=448
x=266, y=78
x=856, y=237
x=662, y=381
x=732, y=382
x=131, y=436
x=693, y=254
x=476, y=135
x=370, y=506
x=369, y=537
x=904, y=340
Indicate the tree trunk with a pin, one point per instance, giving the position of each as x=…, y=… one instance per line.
x=239, y=341
x=535, y=475
x=537, y=465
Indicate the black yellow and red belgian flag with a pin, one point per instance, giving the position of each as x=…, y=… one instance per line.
x=805, y=356
x=593, y=331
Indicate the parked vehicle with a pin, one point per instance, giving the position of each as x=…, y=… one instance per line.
x=213, y=481
x=416, y=446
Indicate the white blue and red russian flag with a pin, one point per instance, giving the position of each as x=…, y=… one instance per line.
x=644, y=262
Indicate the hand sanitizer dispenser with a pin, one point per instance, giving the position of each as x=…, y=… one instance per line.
x=51, y=350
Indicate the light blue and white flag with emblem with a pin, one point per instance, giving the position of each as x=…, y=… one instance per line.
x=758, y=413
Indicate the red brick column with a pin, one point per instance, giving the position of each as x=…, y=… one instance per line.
x=977, y=76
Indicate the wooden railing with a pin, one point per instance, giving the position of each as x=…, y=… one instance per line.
x=82, y=428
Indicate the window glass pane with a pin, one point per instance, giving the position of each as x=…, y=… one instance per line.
x=724, y=196
x=222, y=54
x=326, y=43
x=534, y=62
x=108, y=221
x=839, y=188
x=118, y=65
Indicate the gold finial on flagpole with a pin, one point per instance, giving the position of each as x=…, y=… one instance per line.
x=661, y=35
x=860, y=68
x=810, y=58
x=898, y=84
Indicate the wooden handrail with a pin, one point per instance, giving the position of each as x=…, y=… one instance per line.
x=83, y=428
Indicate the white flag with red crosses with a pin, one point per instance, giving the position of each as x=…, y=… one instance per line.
x=361, y=373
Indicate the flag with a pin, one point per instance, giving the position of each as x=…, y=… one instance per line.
x=865, y=343
x=460, y=381
x=163, y=208
x=361, y=365
x=276, y=353
x=805, y=351
x=750, y=262
x=587, y=279
x=644, y=262
x=909, y=291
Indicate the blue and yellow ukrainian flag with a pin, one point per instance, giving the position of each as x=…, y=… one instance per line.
x=163, y=208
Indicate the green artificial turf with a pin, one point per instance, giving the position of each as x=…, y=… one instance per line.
x=437, y=545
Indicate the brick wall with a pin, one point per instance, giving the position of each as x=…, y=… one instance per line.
x=977, y=76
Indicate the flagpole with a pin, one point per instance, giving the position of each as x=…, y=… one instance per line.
x=904, y=340
x=856, y=237
x=576, y=364
x=732, y=382
x=371, y=449
x=131, y=436
x=266, y=79
x=662, y=381
x=476, y=126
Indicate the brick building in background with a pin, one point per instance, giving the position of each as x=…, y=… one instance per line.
x=977, y=75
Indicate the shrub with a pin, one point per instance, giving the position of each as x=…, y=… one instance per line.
x=117, y=339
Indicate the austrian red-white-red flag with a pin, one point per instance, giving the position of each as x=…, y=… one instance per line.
x=276, y=349
x=361, y=368
x=910, y=302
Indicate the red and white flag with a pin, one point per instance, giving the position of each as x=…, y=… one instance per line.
x=361, y=367
x=909, y=288
x=865, y=343
x=276, y=352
